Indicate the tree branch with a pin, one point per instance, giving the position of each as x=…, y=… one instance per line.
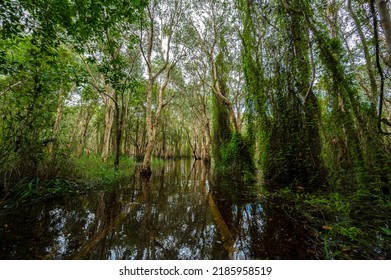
x=12, y=86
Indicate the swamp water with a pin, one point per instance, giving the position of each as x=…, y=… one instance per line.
x=180, y=213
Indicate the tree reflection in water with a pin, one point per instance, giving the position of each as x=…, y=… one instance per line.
x=180, y=213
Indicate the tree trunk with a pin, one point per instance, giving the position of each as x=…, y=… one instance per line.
x=371, y=76
x=151, y=133
x=160, y=35
x=146, y=168
x=107, y=130
x=84, y=133
x=385, y=21
x=53, y=146
x=206, y=139
x=152, y=120
x=164, y=143
x=222, y=98
x=119, y=123
x=76, y=128
x=333, y=18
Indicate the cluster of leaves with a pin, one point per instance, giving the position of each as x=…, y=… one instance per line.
x=29, y=101
x=54, y=19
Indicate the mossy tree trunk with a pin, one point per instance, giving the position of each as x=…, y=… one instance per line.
x=291, y=145
x=356, y=145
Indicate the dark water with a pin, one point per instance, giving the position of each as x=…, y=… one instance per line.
x=182, y=212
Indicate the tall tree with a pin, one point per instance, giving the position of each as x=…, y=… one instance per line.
x=161, y=54
x=214, y=31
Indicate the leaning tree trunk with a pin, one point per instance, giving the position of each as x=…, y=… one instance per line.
x=371, y=75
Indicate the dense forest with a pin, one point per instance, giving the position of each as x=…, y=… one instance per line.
x=291, y=94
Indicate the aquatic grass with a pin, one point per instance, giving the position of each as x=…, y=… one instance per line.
x=157, y=162
x=84, y=174
x=32, y=190
x=93, y=171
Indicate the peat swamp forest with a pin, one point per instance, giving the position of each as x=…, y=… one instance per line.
x=194, y=129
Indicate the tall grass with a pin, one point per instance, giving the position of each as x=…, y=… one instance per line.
x=93, y=171
x=80, y=175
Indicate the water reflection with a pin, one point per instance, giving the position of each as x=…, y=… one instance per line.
x=180, y=213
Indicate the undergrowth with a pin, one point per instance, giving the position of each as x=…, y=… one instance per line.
x=92, y=171
x=82, y=175
x=355, y=226
x=236, y=159
x=157, y=162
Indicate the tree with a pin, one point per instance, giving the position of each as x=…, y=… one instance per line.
x=160, y=55
x=40, y=40
x=213, y=30
x=385, y=21
x=199, y=103
x=31, y=102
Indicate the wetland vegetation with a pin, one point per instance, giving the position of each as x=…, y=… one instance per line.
x=181, y=129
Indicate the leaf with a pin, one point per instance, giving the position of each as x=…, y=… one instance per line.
x=386, y=230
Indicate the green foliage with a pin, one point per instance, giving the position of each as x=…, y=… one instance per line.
x=87, y=173
x=287, y=118
x=157, y=162
x=29, y=102
x=347, y=225
x=30, y=190
x=352, y=152
x=255, y=85
x=93, y=172
x=81, y=19
x=236, y=158
x=41, y=73
x=221, y=128
x=386, y=230
x=333, y=203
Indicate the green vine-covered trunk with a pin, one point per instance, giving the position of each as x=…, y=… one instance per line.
x=358, y=152
x=230, y=150
x=294, y=153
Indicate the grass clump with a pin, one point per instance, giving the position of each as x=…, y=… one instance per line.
x=93, y=171
x=157, y=162
x=81, y=175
